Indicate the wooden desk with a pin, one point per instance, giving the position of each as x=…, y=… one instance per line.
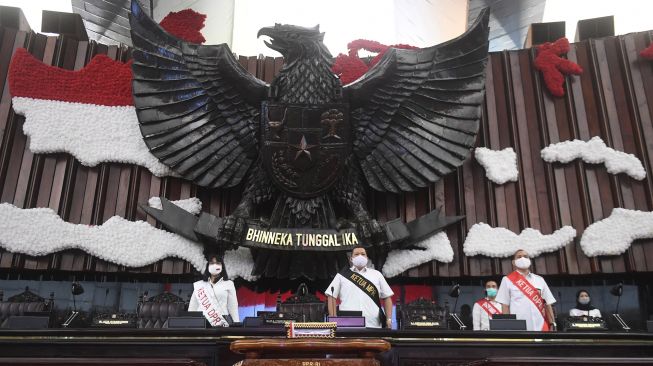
x=310, y=351
x=409, y=347
x=86, y=361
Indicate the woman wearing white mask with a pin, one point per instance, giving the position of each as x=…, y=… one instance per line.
x=215, y=297
x=584, y=306
x=527, y=295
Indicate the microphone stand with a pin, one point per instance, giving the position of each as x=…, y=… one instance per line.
x=455, y=316
x=458, y=321
x=73, y=315
x=622, y=323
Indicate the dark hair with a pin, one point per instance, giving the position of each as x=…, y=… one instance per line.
x=222, y=274
x=584, y=307
x=580, y=292
x=351, y=253
x=490, y=280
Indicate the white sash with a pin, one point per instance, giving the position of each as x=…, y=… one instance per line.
x=207, y=304
x=489, y=308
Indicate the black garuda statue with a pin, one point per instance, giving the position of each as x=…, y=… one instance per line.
x=306, y=147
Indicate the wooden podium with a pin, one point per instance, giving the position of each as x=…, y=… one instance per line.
x=309, y=351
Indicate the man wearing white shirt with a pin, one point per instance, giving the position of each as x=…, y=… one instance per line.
x=527, y=295
x=486, y=307
x=359, y=289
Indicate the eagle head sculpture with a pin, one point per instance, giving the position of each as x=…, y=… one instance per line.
x=294, y=42
x=306, y=148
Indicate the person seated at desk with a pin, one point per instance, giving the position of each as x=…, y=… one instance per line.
x=215, y=297
x=486, y=307
x=584, y=306
x=527, y=295
x=361, y=289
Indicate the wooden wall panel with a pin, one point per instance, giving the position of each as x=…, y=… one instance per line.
x=612, y=99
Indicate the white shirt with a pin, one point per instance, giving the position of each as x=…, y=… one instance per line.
x=481, y=317
x=224, y=297
x=577, y=312
x=520, y=305
x=352, y=298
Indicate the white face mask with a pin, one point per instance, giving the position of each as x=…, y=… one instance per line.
x=359, y=261
x=584, y=300
x=215, y=269
x=523, y=263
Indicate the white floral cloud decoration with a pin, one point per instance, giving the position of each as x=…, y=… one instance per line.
x=240, y=263
x=614, y=234
x=498, y=242
x=500, y=165
x=437, y=247
x=40, y=231
x=93, y=134
x=595, y=151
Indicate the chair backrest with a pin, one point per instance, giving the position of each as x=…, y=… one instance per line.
x=154, y=312
x=307, y=305
x=421, y=312
x=25, y=302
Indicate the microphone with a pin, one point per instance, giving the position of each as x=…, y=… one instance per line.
x=617, y=291
x=455, y=293
x=106, y=294
x=335, y=303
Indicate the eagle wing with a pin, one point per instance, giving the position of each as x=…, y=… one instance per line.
x=416, y=113
x=198, y=108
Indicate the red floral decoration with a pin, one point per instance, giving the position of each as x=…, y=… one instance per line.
x=415, y=292
x=247, y=297
x=350, y=67
x=103, y=81
x=647, y=53
x=185, y=24
x=553, y=67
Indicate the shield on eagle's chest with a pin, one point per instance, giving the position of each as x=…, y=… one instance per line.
x=305, y=147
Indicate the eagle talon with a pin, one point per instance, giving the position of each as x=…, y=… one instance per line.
x=232, y=232
x=343, y=224
x=264, y=223
x=372, y=232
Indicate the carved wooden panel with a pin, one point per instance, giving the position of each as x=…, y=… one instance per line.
x=612, y=99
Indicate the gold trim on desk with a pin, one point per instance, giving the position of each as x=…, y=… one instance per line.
x=520, y=340
x=395, y=340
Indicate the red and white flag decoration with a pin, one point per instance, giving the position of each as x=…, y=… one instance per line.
x=88, y=113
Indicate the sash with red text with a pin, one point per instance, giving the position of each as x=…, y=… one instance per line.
x=531, y=293
x=209, y=308
x=490, y=309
